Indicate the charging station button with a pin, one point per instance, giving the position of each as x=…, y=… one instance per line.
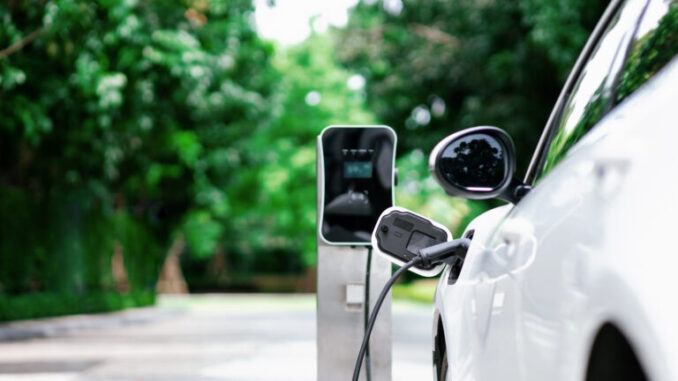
x=355, y=294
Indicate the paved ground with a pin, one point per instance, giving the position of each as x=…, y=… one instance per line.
x=211, y=337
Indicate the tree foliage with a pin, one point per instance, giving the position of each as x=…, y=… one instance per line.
x=129, y=122
x=139, y=109
x=314, y=93
x=438, y=66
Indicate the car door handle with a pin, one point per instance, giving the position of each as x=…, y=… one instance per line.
x=609, y=169
x=611, y=161
x=606, y=162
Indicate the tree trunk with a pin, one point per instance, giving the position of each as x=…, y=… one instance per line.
x=118, y=268
x=171, y=279
x=217, y=267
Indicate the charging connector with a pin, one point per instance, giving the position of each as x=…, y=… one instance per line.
x=446, y=252
x=366, y=309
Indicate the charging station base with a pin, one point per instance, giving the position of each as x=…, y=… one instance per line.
x=340, y=314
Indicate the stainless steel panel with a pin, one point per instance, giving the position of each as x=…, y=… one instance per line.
x=340, y=326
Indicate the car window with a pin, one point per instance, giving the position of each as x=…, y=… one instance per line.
x=642, y=48
x=655, y=44
x=592, y=95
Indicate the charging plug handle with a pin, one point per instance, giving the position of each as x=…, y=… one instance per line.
x=444, y=252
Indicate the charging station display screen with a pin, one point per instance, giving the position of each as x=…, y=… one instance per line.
x=357, y=169
x=358, y=181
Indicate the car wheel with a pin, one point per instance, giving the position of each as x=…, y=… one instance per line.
x=442, y=375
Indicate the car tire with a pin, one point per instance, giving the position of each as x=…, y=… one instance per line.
x=442, y=375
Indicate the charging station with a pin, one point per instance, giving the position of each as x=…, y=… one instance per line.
x=356, y=175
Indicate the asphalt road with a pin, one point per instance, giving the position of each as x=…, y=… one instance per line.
x=209, y=337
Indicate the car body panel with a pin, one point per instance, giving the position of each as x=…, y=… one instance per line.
x=452, y=300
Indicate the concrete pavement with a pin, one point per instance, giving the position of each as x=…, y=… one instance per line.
x=205, y=337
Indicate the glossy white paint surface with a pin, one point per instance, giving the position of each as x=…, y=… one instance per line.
x=593, y=242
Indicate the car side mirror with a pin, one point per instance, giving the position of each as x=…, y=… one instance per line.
x=477, y=163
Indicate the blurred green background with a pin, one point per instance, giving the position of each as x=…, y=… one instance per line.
x=166, y=145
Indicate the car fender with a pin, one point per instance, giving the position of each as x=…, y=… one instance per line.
x=449, y=298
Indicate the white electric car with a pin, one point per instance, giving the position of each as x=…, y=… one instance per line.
x=577, y=277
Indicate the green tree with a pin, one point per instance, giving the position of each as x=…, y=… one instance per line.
x=131, y=113
x=314, y=94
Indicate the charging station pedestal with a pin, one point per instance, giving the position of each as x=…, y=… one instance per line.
x=356, y=176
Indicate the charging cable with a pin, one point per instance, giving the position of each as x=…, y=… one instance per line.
x=435, y=254
x=368, y=267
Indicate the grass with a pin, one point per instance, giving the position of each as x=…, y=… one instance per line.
x=420, y=291
x=48, y=304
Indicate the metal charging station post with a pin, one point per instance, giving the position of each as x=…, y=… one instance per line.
x=356, y=175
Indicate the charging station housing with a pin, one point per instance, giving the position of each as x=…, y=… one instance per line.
x=356, y=175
